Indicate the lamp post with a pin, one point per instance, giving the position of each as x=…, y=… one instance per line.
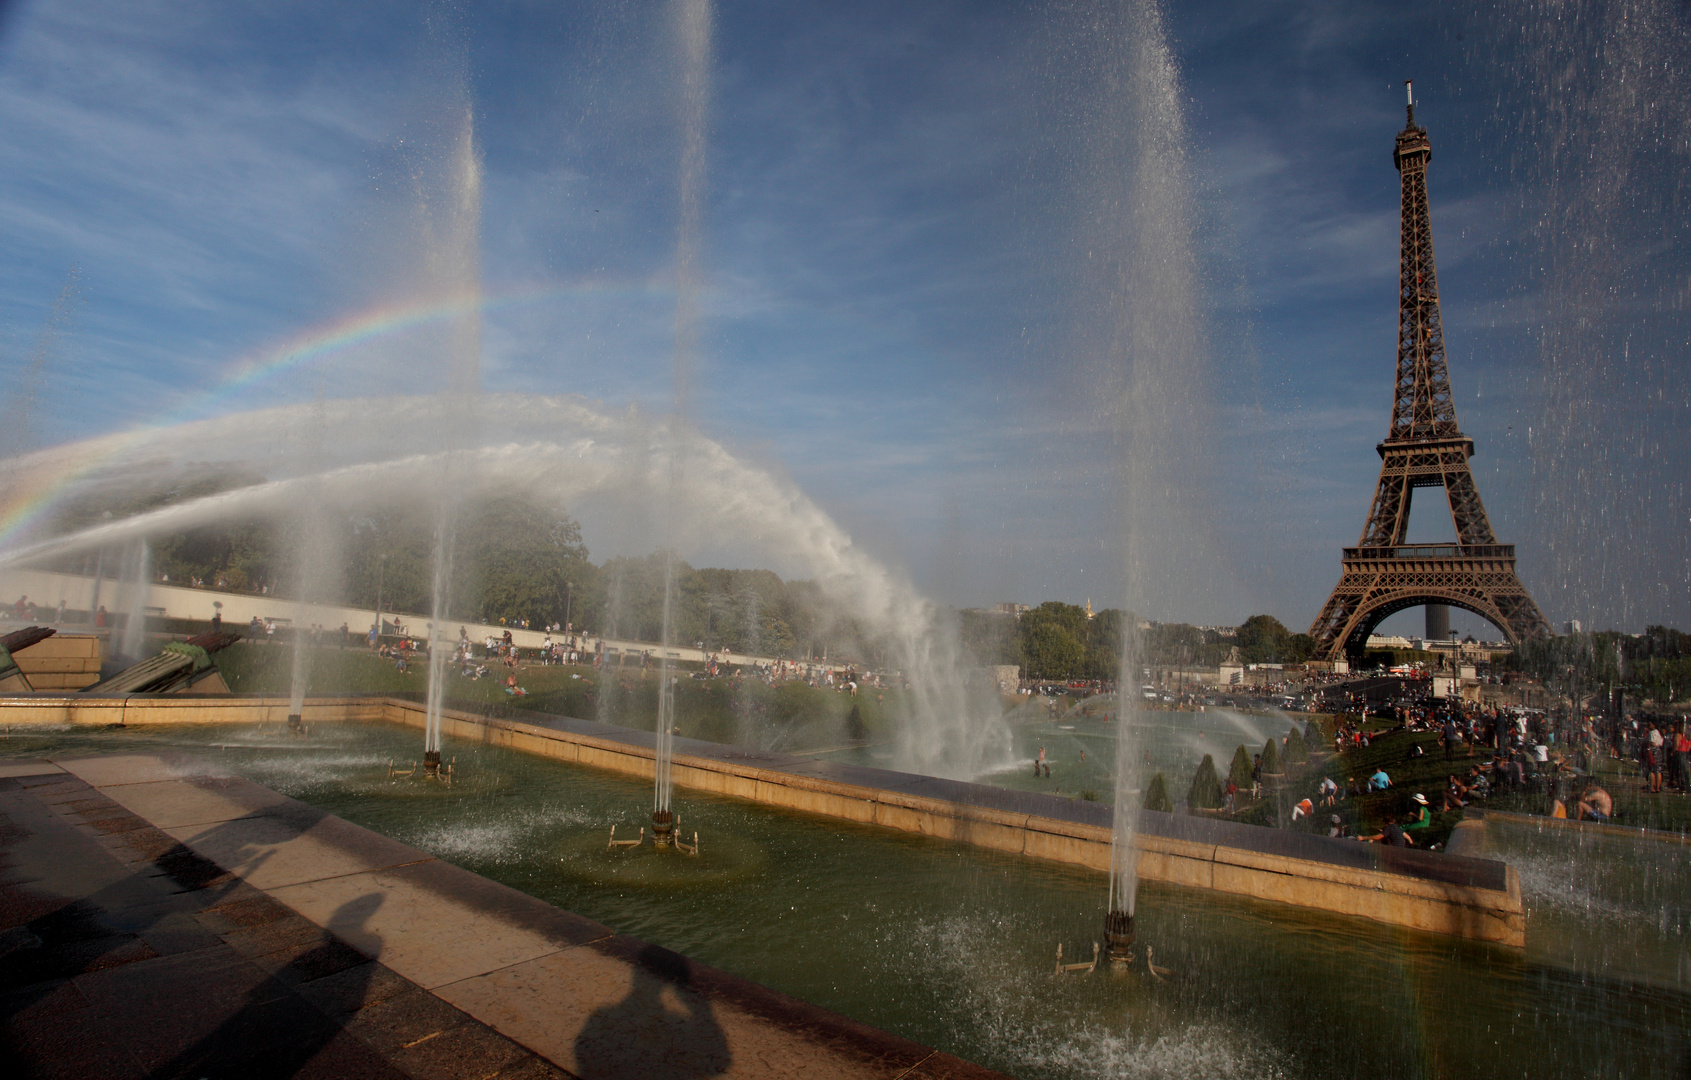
x=381, y=568
x=569, y=597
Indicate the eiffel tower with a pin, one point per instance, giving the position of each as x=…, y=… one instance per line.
x=1424, y=448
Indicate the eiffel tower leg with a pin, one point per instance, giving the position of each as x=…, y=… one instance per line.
x=1466, y=509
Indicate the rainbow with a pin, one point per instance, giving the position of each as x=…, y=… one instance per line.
x=38, y=491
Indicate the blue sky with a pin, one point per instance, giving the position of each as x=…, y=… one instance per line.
x=889, y=226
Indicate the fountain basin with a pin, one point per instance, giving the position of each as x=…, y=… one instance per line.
x=888, y=927
x=1445, y=894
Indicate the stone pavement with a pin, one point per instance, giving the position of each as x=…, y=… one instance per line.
x=158, y=920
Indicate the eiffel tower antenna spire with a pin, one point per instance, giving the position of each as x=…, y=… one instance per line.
x=1424, y=447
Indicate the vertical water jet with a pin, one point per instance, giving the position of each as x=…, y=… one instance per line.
x=693, y=31
x=1138, y=311
x=457, y=273
x=135, y=624
x=313, y=556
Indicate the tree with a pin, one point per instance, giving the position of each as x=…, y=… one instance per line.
x=1104, y=641
x=1297, y=750
x=1271, y=758
x=1205, y=793
x=1299, y=648
x=389, y=550
x=517, y=559
x=1239, y=773
x=1262, y=639
x=1053, y=639
x=1156, y=795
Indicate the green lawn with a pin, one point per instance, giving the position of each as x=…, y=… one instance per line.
x=791, y=714
x=1365, y=815
x=1634, y=805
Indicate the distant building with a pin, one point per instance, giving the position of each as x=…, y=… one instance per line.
x=1009, y=609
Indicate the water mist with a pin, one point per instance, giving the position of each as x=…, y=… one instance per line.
x=611, y=466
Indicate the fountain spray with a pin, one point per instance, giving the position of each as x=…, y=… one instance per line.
x=694, y=33
x=312, y=558
x=459, y=271
x=134, y=627
x=1143, y=270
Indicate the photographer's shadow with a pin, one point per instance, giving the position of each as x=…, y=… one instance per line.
x=663, y=1029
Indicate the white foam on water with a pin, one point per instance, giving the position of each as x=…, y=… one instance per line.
x=1037, y=1024
x=1091, y=1051
x=300, y=771
x=512, y=838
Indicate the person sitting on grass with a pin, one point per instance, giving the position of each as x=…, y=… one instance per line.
x=512, y=688
x=1479, y=781
x=1304, y=808
x=1423, y=819
x=1336, y=826
x=1596, y=804
x=1454, y=790
x=1390, y=834
x=1379, y=781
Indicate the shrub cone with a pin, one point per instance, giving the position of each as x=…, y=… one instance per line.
x=1156, y=796
x=854, y=725
x=1271, y=758
x=1205, y=793
x=1297, y=751
x=1239, y=773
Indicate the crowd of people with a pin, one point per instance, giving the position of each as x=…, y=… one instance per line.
x=1488, y=750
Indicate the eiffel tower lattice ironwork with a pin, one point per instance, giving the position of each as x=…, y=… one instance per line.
x=1424, y=448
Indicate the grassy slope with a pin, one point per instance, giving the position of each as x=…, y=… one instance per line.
x=1366, y=814
x=1634, y=805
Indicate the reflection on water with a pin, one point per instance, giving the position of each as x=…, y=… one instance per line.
x=953, y=946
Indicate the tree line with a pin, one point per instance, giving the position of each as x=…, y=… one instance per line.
x=1654, y=665
x=1060, y=641
x=515, y=560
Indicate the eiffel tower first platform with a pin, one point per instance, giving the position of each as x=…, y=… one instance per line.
x=1424, y=448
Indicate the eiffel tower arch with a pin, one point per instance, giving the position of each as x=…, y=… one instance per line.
x=1424, y=448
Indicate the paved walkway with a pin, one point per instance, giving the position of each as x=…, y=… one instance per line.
x=159, y=921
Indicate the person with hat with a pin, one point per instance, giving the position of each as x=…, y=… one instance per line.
x=1337, y=828
x=1423, y=814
